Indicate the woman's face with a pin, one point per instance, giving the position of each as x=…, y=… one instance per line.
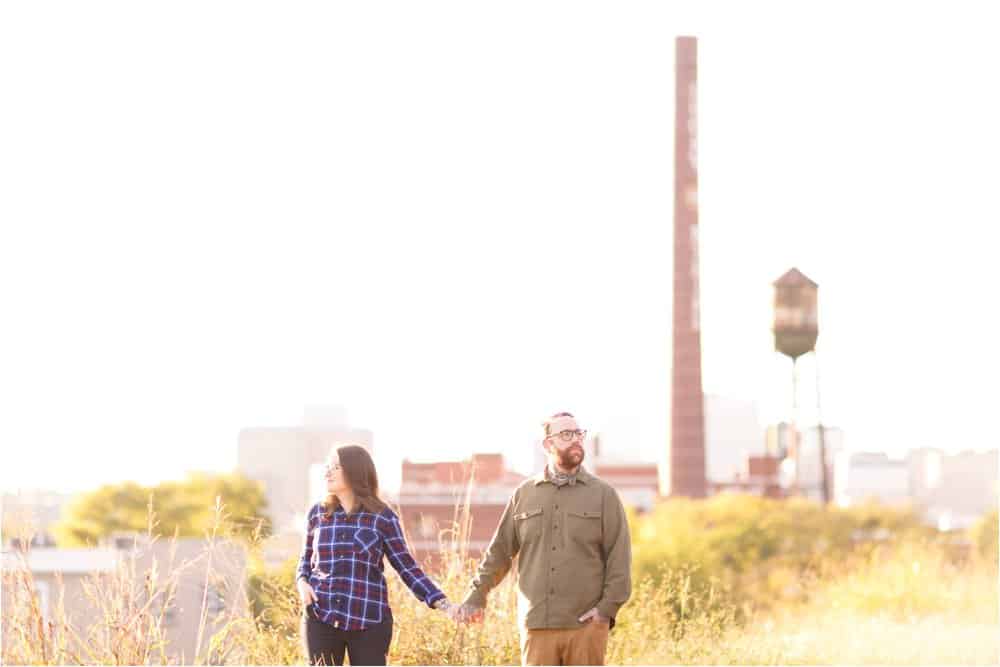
x=335, y=481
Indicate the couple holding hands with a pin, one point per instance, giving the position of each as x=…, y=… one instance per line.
x=566, y=526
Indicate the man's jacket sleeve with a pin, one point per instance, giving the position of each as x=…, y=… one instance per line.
x=497, y=560
x=617, y=549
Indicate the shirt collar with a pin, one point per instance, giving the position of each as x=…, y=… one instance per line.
x=581, y=476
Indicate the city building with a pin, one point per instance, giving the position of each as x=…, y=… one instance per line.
x=954, y=491
x=288, y=459
x=61, y=574
x=637, y=483
x=809, y=475
x=733, y=434
x=432, y=495
x=49, y=565
x=759, y=476
x=950, y=491
x=862, y=477
x=778, y=439
x=742, y=456
x=32, y=513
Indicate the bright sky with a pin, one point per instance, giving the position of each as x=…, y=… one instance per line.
x=456, y=218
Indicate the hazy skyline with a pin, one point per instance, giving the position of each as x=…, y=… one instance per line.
x=455, y=219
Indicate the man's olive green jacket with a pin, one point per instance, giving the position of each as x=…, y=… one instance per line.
x=572, y=547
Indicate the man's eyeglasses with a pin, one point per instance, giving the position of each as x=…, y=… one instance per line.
x=568, y=435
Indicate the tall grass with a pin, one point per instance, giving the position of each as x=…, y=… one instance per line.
x=723, y=581
x=127, y=614
x=896, y=605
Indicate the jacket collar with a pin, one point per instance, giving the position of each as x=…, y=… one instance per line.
x=581, y=476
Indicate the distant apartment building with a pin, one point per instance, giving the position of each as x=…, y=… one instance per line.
x=798, y=450
x=47, y=566
x=733, y=434
x=33, y=512
x=62, y=573
x=612, y=454
x=871, y=476
x=431, y=493
x=743, y=456
x=288, y=460
x=808, y=474
x=950, y=491
x=637, y=484
x=953, y=491
x=778, y=439
x=758, y=476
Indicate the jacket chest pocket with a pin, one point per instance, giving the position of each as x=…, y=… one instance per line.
x=528, y=525
x=584, y=527
x=366, y=540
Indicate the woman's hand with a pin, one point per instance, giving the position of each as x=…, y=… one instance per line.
x=306, y=593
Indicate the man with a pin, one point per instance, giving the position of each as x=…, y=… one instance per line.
x=569, y=532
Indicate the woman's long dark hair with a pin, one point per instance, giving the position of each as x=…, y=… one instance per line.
x=358, y=469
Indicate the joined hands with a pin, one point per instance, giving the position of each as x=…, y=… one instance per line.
x=463, y=613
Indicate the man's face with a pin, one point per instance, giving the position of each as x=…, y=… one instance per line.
x=565, y=443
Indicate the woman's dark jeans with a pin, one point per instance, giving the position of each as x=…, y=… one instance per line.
x=325, y=644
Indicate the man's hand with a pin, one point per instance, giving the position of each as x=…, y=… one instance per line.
x=464, y=613
x=594, y=616
x=306, y=593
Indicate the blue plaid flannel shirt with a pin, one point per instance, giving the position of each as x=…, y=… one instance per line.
x=342, y=559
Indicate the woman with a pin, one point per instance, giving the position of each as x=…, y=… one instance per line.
x=340, y=578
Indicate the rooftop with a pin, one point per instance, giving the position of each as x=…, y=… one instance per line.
x=67, y=561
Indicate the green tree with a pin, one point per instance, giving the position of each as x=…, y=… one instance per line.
x=186, y=508
x=758, y=549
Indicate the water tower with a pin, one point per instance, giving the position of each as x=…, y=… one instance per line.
x=796, y=328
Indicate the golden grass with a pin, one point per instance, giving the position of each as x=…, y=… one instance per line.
x=908, y=604
x=908, y=601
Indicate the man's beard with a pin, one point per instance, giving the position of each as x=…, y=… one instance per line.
x=566, y=459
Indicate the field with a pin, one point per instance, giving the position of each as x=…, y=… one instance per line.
x=730, y=580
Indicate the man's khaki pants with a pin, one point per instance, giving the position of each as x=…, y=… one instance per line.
x=585, y=645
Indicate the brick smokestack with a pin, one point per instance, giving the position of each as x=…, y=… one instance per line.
x=687, y=417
